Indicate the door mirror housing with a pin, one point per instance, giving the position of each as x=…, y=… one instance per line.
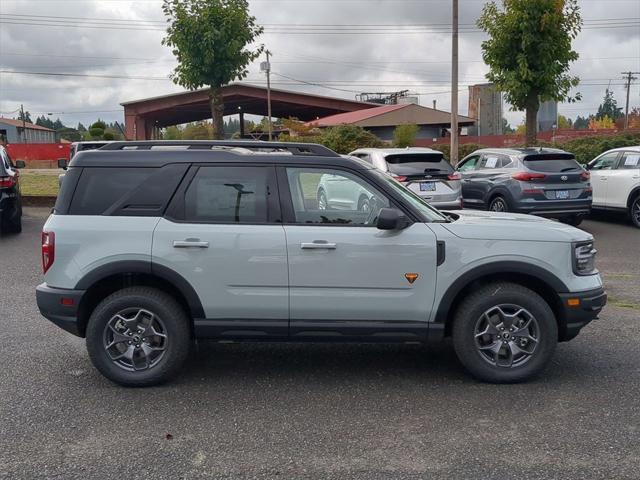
x=20, y=164
x=392, y=219
x=62, y=163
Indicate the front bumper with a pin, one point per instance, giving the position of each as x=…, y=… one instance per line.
x=578, y=309
x=60, y=306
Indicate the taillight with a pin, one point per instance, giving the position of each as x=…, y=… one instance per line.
x=528, y=177
x=584, y=176
x=48, y=250
x=455, y=176
x=399, y=178
x=7, y=182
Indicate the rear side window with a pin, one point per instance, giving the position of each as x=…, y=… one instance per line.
x=630, y=160
x=550, y=164
x=99, y=188
x=224, y=194
x=418, y=164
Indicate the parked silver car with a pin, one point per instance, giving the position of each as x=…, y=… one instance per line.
x=422, y=170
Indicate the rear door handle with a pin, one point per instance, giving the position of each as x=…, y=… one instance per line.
x=318, y=245
x=190, y=243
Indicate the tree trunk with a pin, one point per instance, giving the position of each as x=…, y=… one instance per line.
x=533, y=103
x=217, y=112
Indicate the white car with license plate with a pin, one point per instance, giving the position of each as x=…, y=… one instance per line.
x=424, y=171
x=615, y=177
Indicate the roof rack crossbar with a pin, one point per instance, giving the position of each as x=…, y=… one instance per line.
x=294, y=148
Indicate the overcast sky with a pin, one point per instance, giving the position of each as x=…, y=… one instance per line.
x=122, y=38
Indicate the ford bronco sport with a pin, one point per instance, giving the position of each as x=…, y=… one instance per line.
x=153, y=244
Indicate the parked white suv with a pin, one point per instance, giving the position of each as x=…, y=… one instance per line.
x=615, y=177
x=422, y=170
x=149, y=247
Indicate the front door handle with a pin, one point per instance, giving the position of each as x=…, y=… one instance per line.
x=318, y=245
x=190, y=243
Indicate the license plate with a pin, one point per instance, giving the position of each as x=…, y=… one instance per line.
x=562, y=194
x=428, y=186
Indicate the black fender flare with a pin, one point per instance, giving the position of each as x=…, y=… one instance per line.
x=145, y=267
x=499, y=190
x=500, y=267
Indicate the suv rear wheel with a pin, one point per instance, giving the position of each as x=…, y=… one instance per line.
x=498, y=204
x=138, y=337
x=634, y=211
x=504, y=333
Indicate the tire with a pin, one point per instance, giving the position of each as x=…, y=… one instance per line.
x=322, y=201
x=634, y=211
x=498, y=204
x=573, y=220
x=492, y=364
x=165, y=356
x=12, y=226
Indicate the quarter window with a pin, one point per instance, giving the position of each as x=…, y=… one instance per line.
x=228, y=195
x=335, y=197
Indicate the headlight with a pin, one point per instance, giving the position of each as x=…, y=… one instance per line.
x=584, y=258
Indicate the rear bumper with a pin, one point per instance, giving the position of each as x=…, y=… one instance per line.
x=589, y=305
x=555, y=209
x=50, y=304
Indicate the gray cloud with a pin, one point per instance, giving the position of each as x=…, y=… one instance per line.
x=381, y=62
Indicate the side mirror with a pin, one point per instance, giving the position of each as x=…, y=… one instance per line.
x=392, y=219
x=20, y=164
x=62, y=163
x=588, y=166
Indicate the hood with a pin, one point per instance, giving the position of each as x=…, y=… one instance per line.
x=479, y=225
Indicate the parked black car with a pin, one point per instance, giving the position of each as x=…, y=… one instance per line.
x=542, y=181
x=10, y=198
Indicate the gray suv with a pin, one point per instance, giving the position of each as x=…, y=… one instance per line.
x=154, y=244
x=542, y=181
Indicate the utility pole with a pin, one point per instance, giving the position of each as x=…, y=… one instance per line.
x=24, y=124
x=454, y=86
x=630, y=78
x=266, y=67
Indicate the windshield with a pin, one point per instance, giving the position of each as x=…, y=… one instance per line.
x=551, y=163
x=418, y=164
x=428, y=213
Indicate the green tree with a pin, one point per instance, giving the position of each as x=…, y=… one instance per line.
x=81, y=127
x=197, y=131
x=507, y=129
x=173, y=132
x=581, y=123
x=609, y=107
x=529, y=52
x=96, y=130
x=564, y=123
x=26, y=117
x=405, y=135
x=341, y=138
x=209, y=38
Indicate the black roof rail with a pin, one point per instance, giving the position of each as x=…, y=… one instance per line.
x=293, y=148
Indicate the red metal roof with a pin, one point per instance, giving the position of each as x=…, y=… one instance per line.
x=357, y=116
x=19, y=123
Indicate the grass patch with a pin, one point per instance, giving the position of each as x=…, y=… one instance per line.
x=38, y=184
x=617, y=302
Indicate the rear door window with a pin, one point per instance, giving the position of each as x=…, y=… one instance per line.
x=416, y=164
x=222, y=194
x=551, y=164
x=630, y=160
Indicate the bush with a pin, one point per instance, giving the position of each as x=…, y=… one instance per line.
x=341, y=139
x=405, y=135
x=96, y=133
x=587, y=148
x=99, y=124
x=108, y=136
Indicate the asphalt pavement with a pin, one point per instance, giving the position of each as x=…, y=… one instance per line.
x=243, y=411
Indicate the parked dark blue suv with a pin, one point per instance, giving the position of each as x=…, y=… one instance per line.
x=542, y=181
x=10, y=199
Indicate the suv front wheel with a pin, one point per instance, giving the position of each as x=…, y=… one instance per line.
x=138, y=337
x=504, y=333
